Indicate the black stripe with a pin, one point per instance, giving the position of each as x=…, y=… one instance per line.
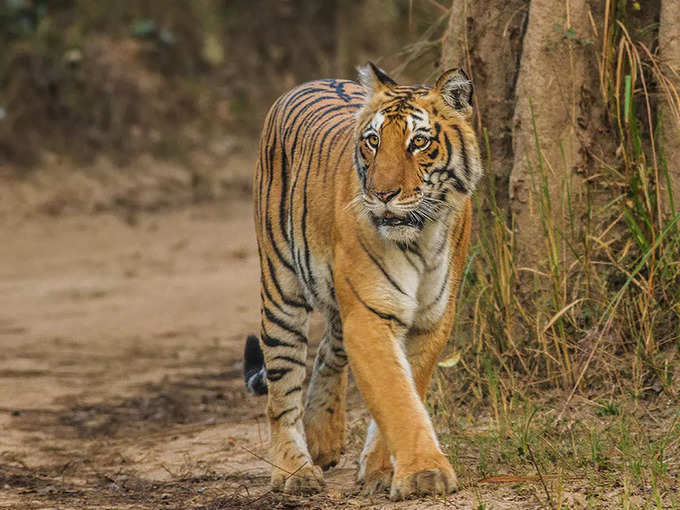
x=267, y=158
x=382, y=315
x=309, y=122
x=280, y=323
x=319, y=114
x=275, y=374
x=279, y=255
x=304, y=108
x=332, y=287
x=292, y=390
x=286, y=299
x=332, y=143
x=449, y=151
x=296, y=101
x=271, y=341
x=325, y=366
x=303, y=226
x=458, y=185
x=339, y=352
x=270, y=231
x=463, y=152
x=278, y=416
x=315, y=147
x=378, y=263
x=284, y=193
x=329, y=130
x=290, y=359
x=269, y=297
x=441, y=290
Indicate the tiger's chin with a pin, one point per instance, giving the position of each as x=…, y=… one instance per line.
x=403, y=230
x=401, y=235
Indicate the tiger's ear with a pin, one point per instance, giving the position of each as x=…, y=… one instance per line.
x=456, y=90
x=374, y=79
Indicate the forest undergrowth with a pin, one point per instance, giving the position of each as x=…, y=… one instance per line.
x=562, y=377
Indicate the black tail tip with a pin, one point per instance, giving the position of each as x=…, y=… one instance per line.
x=254, y=371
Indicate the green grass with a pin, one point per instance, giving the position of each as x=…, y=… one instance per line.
x=610, y=458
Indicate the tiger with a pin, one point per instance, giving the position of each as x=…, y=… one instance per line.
x=362, y=208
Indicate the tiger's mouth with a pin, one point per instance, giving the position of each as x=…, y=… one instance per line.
x=389, y=219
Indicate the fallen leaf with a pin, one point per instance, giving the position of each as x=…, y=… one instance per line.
x=451, y=361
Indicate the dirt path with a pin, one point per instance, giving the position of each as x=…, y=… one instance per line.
x=120, y=375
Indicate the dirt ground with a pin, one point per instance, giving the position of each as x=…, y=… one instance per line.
x=120, y=367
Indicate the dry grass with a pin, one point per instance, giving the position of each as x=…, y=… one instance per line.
x=574, y=373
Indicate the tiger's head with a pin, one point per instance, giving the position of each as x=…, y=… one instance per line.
x=416, y=153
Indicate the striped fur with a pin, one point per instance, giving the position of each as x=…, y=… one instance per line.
x=362, y=212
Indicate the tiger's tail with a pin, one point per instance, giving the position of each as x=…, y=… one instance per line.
x=254, y=370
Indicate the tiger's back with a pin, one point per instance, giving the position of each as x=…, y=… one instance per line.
x=306, y=141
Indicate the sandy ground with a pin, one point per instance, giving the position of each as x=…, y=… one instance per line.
x=120, y=367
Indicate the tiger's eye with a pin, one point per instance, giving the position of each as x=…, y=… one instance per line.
x=373, y=140
x=419, y=141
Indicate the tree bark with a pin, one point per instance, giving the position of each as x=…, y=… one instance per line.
x=669, y=47
x=556, y=72
x=453, y=43
x=485, y=38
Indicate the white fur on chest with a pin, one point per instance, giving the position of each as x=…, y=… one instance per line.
x=423, y=271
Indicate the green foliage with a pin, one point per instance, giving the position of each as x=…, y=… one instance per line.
x=609, y=408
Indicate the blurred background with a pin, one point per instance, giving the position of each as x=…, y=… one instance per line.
x=129, y=271
x=111, y=86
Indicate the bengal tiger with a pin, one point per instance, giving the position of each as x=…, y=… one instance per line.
x=362, y=212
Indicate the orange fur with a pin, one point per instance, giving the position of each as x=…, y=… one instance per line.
x=385, y=271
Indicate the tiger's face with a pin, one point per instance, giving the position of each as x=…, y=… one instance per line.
x=416, y=154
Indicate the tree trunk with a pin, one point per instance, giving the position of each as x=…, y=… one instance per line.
x=669, y=47
x=485, y=38
x=556, y=73
x=453, y=42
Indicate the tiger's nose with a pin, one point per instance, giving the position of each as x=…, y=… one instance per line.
x=386, y=196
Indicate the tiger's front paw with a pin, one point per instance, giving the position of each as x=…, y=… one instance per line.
x=424, y=477
x=325, y=434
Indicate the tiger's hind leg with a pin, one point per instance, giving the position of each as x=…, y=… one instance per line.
x=284, y=342
x=325, y=408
